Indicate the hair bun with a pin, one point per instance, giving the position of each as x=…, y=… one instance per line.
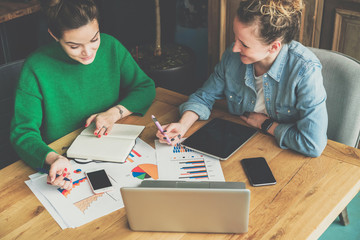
x=281, y=11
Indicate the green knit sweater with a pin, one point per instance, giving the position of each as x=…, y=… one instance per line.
x=56, y=94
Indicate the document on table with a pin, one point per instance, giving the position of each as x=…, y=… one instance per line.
x=180, y=163
x=80, y=205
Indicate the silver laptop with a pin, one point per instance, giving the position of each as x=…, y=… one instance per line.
x=176, y=206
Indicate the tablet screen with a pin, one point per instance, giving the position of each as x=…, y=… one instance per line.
x=219, y=138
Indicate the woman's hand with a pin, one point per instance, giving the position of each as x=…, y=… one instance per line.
x=105, y=121
x=254, y=119
x=61, y=167
x=174, y=131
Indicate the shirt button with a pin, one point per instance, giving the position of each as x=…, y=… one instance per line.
x=265, y=75
x=266, y=84
x=230, y=96
x=289, y=111
x=252, y=101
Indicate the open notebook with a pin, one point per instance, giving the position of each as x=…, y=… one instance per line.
x=114, y=147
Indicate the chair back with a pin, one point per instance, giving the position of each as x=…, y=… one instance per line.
x=9, y=75
x=341, y=75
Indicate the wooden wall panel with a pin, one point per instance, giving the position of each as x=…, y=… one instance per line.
x=231, y=8
x=347, y=33
x=213, y=34
x=311, y=23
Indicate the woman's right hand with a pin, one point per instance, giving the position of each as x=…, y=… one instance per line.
x=62, y=167
x=175, y=131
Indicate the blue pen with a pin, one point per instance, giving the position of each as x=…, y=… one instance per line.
x=45, y=170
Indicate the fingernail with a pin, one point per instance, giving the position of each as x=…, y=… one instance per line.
x=64, y=175
x=65, y=169
x=86, y=125
x=95, y=133
x=172, y=139
x=99, y=136
x=48, y=183
x=165, y=131
x=106, y=134
x=164, y=138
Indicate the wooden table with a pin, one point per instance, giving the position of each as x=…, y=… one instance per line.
x=308, y=196
x=9, y=10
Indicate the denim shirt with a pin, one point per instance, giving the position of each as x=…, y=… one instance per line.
x=293, y=90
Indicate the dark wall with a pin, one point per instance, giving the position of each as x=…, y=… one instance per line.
x=132, y=22
x=22, y=35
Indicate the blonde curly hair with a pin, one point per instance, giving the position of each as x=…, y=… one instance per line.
x=276, y=19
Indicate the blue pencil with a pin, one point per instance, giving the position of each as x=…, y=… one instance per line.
x=45, y=170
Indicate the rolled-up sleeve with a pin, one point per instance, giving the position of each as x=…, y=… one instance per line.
x=202, y=101
x=308, y=134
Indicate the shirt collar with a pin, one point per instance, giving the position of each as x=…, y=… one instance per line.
x=249, y=76
x=277, y=67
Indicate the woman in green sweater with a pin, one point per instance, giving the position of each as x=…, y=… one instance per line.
x=81, y=78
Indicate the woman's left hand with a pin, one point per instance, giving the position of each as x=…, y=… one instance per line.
x=104, y=121
x=254, y=119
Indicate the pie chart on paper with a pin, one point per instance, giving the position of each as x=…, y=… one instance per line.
x=145, y=171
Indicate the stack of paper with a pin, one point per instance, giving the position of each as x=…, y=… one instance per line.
x=80, y=205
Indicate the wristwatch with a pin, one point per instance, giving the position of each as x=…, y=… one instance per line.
x=266, y=125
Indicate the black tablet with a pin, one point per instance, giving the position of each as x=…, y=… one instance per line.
x=219, y=138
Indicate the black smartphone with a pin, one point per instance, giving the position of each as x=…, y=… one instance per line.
x=258, y=171
x=99, y=181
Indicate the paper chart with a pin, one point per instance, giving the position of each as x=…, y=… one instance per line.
x=80, y=205
x=180, y=163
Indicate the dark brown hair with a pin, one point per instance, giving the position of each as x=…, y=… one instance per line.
x=276, y=19
x=65, y=15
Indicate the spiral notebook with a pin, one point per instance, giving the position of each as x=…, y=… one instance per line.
x=114, y=147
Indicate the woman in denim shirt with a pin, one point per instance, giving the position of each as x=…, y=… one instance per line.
x=272, y=82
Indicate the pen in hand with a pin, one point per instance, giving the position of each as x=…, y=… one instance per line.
x=45, y=170
x=160, y=128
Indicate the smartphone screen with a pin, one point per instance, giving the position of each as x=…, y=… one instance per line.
x=258, y=171
x=99, y=181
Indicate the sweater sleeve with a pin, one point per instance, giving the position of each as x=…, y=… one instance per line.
x=25, y=125
x=139, y=89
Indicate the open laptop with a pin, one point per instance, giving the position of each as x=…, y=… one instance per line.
x=219, y=138
x=176, y=206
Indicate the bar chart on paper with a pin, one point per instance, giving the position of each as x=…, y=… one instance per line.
x=180, y=163
x=75, y=207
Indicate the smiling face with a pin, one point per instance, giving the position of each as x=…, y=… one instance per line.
x=248, y=43
x=81, y=44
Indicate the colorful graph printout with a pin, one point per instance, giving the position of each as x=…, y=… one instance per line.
x=179, y=163
x=181, y=149
x=133, y=154
x=80, y=205
x=75, y=183
x=145, y=171
x=85, y=203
